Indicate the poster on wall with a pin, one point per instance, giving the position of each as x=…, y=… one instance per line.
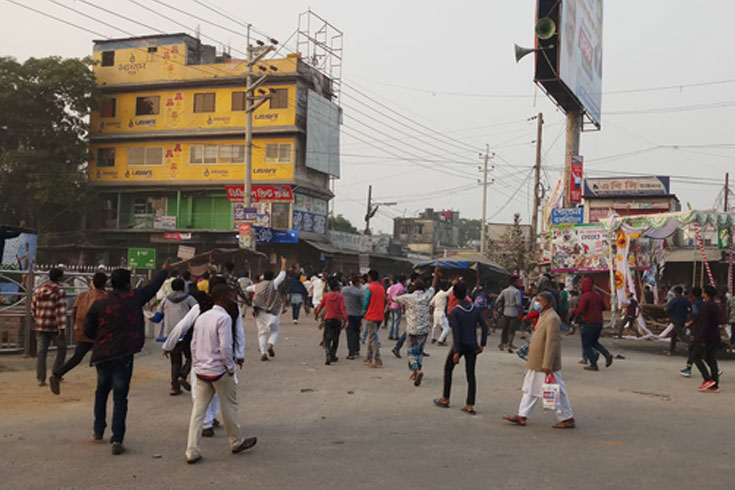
x=576, y=179
x=310, y=214
x=18, y=249
x=579, y=248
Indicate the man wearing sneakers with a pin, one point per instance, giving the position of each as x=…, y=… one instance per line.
x=373, y=309
x=695, y=308
x=707, y=341
x=267, y=305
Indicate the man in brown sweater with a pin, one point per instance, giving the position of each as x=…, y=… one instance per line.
x=544, y=359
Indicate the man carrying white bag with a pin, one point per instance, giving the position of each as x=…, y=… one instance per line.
x=543, y=380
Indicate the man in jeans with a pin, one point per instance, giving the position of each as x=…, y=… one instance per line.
x=511, y=307
x=373, y=308
x=707, y=341
x=335, y=317
x=116, y=325
x=48, y=307
x=396, y=309
x=590, y=308
x=353, y=301
x=79, y=314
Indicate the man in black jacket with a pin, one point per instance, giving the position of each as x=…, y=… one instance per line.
x=117, y=328
x=463, y=320
x=707, y=341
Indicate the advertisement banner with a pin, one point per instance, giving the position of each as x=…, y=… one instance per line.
x=580, y=56
x=258, y=193
x=567, y=216
x=177, y=236
x=243, y=236
x=242, y=215
x=185, y=252
x=142, y=258
x=164, y=223
x=576, y=179
x=579, y=248
x=269, y=235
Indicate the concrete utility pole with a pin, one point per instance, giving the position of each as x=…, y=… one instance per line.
x=574, y=131
x=536, y=180
x=727, y=190
x=485, y=183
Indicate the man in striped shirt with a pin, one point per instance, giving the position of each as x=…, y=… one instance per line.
x=48, y=307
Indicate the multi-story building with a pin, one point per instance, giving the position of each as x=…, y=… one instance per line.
x=430, y=233
x=167, y=148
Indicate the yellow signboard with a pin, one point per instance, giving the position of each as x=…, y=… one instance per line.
x=191, y=161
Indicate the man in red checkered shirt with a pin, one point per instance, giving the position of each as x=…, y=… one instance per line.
x=48, y=307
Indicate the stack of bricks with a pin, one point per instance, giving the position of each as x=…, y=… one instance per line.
x=11, y=330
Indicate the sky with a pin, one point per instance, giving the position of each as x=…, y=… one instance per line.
x=446, y=71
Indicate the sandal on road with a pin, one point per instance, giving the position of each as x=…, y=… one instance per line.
x=439, y=403
x=469, y=412
x=564, y=424
x=515, y=419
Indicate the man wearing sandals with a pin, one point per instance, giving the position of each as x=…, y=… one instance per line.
x=464, y=320
x=544, y=358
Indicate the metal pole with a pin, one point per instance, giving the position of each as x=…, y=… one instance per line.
x=536, y=181
x=727, y=190
x=248, y=124
x=28, y=349
x=483, y=229
x=574, y=130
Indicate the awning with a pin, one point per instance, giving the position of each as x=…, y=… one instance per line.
x=218, y=254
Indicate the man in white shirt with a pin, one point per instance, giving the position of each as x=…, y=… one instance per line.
x=317, y=284
x=439, y=303
x=213, y=363
x=267, y=305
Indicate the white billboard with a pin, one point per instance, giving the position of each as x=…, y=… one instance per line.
x=323, y=118
x=580, y=57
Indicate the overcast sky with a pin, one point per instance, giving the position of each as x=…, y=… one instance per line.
x=449, y=67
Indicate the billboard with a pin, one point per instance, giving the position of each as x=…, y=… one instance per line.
x=323, y=118
x=627, y=187
x=579, y=248
x=580, y=56
x=18, y=248
x=567, y=216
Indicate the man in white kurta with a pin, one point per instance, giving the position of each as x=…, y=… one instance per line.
x=267, y=305
x=440, y=320
x=213, y=363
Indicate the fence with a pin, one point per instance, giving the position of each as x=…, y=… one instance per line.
x=16, y=321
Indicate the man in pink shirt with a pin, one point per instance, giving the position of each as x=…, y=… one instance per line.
x=396, y=289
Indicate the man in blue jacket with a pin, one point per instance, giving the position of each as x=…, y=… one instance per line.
x=463, y=320
x=117, y=328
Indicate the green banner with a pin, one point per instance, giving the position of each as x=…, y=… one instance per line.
x=142, y=258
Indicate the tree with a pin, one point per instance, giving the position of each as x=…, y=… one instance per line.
x=340, y=223
x=44, y=106
x=512, y=250
x=469, y=231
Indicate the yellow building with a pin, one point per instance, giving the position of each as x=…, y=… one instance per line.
x=167, y=144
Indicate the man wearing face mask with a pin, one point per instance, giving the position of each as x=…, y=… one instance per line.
x=544, y=359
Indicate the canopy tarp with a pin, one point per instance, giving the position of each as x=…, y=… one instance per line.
x=200, y=263
x=663, y=225
x=489, y=271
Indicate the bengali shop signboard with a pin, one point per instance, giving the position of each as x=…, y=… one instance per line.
x=258, y=193
x=567, y=216
x=579, y=248
x=576, y=179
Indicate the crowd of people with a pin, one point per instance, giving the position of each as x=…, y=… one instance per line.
x=200, y=325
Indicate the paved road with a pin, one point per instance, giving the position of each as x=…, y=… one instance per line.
x=640, y=426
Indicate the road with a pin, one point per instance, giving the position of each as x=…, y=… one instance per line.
x=639, y=426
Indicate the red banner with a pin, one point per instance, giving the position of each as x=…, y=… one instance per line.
x=236, y=193
x=576, y=179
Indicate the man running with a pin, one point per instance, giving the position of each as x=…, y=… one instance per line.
x=353, y=301
x=707, y=341
x=441, y=322
x=335, y=316
x=267, y=305
x=418, y=323
x=373, y=308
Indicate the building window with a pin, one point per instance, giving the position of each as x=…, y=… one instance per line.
x=107, y=108
x=147, y=106
x=238, y=101
x=279, y=98
x=108, y=58
x=204, y=102
x=152, y=49
x=217, y=154
x=105, y=157
x=278, y=152
x=145, y=155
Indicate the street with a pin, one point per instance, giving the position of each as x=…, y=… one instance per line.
x=639, y=425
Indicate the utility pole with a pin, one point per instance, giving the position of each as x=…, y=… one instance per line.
x=574, y=131
x=372, y=208
x=727, y=190
x=252, y=103
x=483, y=228
x=536, y=180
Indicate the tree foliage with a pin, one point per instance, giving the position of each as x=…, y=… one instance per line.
x=512, y=251
x=340, y=223
x=44, y=109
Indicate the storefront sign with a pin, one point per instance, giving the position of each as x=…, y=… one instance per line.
x=310, y=222
x=142, y=258
x=576, y=178
x=235, y=193
x=164, y=223
x=345, y=241
x=177, y=236
x=567, y=216
x=269, y=235
x=626, y=186
x=364, y=263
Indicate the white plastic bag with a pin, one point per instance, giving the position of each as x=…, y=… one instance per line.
x=550, y=393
